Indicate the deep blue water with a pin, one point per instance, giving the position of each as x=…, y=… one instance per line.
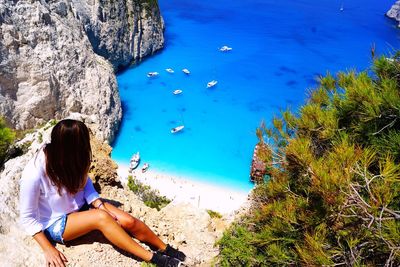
x=279, y=48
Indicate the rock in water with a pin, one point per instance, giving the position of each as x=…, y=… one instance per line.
x=394, y=12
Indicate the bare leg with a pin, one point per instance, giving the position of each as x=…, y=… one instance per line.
x=136, y=227
x=80, y=223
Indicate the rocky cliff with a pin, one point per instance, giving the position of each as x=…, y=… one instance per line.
x=182, y=225
x=394, y=12
x=58, y=58
x=121, y=31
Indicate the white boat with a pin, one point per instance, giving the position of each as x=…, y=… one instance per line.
x=145, y=167
x=152, y=74
x=169, y=70
x=186, y=71
x=177, y=129
x=225, y=48
x=134, y=162
x=212, y=83
x=177, y=92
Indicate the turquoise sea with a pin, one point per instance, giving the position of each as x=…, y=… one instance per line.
x=279, y=49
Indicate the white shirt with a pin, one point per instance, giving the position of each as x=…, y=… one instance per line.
x=40, y=203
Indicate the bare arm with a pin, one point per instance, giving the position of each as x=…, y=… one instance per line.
x=29, y=202
x=52, y=255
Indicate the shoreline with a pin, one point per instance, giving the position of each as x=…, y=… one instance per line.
x=184, y=190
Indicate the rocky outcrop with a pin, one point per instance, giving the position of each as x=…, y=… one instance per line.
x=48, y=62
x=182, y=225
x=103, y=170
x=394, y=12
x=121, y=31
x=258, y=166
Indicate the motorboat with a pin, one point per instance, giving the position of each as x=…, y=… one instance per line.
x=152, y=74
x=186, y=71
x=177, y=129
x=177, y=92
x=225, y=48
x=169, y=70
x=145, y=167
x=134, y=162
x=212, y=83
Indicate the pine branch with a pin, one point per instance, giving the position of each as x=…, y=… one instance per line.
x=389, y=125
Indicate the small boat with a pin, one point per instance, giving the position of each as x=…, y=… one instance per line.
x=177, y=129
x=212, y=83
x=145, y=167
x=177, y=92
x=169, y=70
x=152, y=74
x=225, y=48
x=186, y=71
x=134, y=162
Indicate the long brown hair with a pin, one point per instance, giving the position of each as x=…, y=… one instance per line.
x=69, y=155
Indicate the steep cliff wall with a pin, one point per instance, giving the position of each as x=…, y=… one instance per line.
x=121, y=31
x=394, y=12
x=48, y=62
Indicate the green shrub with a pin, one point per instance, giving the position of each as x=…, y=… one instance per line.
x=50, y=124
x=214, y=214
x=333, y=196
x=150, y=198
x=40, y=137
x=146, y=264
x=7, y=137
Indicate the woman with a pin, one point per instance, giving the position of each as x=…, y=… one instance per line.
x=54, y=197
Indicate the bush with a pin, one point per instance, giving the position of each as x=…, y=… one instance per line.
x=7, y=137
x=150, y=198
x=214, y=214
x=333, y=196
x=147, y=264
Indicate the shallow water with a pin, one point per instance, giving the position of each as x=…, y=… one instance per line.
x=279, y=48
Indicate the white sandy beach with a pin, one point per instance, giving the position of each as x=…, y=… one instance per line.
x=179, y=189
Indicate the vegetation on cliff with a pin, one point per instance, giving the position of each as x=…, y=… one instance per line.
x=7, y=137
x=332, y=195
x=150, y=197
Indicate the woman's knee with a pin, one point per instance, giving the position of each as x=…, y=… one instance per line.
x=129, y=222
x=102, y=217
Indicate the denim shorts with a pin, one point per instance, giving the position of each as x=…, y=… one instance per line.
x=55, y=231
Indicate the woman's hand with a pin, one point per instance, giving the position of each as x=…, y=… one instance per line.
x=54, y=258
x=103, y=207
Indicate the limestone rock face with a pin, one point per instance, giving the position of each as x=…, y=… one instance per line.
x=55, y=58
x=103, y=170
x=48, y=69
x=394, y=12
x=121, y=31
